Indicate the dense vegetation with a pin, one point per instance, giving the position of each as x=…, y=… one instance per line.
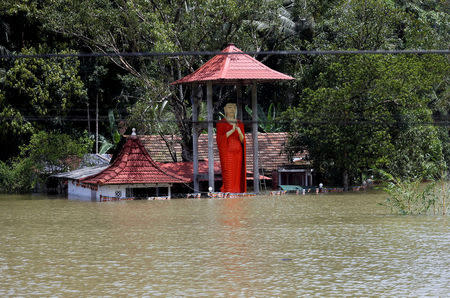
x=353, y=113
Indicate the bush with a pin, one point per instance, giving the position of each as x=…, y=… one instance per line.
x=413, y=198
x=17, y=176
x=46, y=154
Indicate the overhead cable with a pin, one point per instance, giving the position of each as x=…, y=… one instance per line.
x=213, y=53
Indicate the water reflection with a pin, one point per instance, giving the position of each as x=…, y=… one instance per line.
x=287, y=246
x=235, y=256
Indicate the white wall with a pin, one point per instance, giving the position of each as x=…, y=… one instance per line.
x=110, y=191
x=78, y=192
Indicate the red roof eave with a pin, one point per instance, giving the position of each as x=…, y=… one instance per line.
x=134, y=166
x=238, y=68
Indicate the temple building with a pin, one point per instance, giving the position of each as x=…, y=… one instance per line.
x=132, y=175
x=274, y=161
x=144, y=168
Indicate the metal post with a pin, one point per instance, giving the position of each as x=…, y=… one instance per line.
x=96, y=124
x=194, y=101
x=209, y=105
x=255, y=139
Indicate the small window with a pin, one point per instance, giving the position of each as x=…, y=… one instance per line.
x=145, y=192
x=118, y=193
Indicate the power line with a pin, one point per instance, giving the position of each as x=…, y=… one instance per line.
x=213, y=53
x=281, y=122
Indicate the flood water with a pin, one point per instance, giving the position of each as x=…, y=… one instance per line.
x=325, y=245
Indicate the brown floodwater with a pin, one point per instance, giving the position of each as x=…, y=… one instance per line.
x=324, y=245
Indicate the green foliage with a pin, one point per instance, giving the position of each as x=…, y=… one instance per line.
x=267, y=121
x=38, y=87
x=418, y=154
x=427, y=25
x=140, y=26
x=44, y=155
x=363, y=25
x=106, y=144
x=17, y=176
x=52, y=152
x=368, y=113
x=113, y=127
x=412, y=197
x=351, y=113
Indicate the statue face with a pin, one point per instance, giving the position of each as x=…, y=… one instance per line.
x=230, y=110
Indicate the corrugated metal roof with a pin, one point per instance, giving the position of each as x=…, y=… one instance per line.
x=134, y=165
x=232, y=69
x=95, y=159
x=81, y=173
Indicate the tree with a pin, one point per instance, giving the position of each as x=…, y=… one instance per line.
x=365, y=113
x=54, y=152
x=144, y=26
x=38, y=93
x=358, y=113
x=45, y=154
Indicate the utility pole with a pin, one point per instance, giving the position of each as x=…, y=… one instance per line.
x=96, y=124
x=88, y=118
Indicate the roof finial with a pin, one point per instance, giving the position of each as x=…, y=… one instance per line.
x=133, y=131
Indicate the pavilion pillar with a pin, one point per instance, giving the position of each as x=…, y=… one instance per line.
x=239, y=101
x=194, y=101
x=255, y=139
x=209, y=106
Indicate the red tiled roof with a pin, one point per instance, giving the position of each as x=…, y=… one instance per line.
x=134, y=165
x=233, y=68
x=186, y=169
x=271, y=145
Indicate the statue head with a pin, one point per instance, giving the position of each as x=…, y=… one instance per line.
x=230, y=110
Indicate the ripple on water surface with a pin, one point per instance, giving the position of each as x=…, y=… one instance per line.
x=265, y=246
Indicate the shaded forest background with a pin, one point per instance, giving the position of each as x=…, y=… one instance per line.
x=355, y=114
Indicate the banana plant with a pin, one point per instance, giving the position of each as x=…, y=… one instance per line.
x=113, y=127
x=107, y=144
x=266, y=121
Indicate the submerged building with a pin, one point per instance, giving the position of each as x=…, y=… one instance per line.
x=143, y=168
x=274, y=161
x=133, y=174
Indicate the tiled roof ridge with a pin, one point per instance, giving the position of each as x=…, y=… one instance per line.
x=155, y=164
x=229, y=49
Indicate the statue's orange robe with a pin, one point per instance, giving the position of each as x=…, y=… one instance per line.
x=232, y=158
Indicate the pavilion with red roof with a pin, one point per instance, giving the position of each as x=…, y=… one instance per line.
x=133, y=174
x=231, y=67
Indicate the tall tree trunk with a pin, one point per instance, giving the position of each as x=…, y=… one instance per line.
x=183, y=121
